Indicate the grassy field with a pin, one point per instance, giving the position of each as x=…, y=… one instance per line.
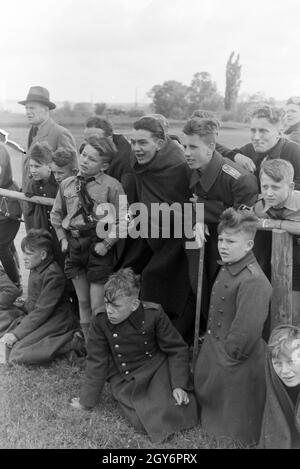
x=34, y=411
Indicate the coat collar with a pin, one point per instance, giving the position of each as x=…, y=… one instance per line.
x=137, y=319
x=292, y=128
x=43, y=265
x=210, y=174
x=238, y=266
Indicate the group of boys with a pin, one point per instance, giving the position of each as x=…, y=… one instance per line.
x=135, y=329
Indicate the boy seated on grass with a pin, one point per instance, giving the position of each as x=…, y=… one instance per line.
x=281, y=420
x=137, y=349
x=47, y=330
x=279, y=207
x=9, y=312
x=229, y=371
x=64, y=164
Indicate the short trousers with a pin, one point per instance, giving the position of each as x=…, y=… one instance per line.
x=82, y=259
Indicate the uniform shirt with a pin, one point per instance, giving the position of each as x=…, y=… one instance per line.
x=239, y=306
x=140, y=342
x=104, y=189
x=223, y=184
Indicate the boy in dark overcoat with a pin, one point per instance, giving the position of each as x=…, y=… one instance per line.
x=9, y=312
x=229, y=372
x=47, y=330
x=135, y=347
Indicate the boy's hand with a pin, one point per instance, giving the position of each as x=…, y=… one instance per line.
x=100, y=249
x=180, y=396
x=74, y=402
x=200, y=230
x=244, y=161
x=9, y=339
x=64, y=245
x=194, y=199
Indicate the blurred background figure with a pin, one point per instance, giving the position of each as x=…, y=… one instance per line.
x=292, y=119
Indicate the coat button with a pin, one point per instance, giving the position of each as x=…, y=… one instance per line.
x=144, y=332
x=123, y=364
x=221, y=311
x=146, y=343
x=117, y=346
x=219, y=324
x=126, y=372
x=115, y=335
x=223, y=297
x=119, y=355
x=146, y=353
x=150, y=356
x=209, y=331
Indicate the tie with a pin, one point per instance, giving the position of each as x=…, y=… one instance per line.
x=32, y=134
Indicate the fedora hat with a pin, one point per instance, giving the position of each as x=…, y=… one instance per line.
x=40, y=95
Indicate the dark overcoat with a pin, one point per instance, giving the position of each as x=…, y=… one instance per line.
x=165, y=275
x=144, y=358
x=281, y=419
x=229, y=373
x=9, y=313
x=49, y=323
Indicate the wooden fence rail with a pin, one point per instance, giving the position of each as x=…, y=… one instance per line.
x=281, y=264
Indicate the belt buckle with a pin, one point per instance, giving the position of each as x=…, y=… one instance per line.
x=76, y=233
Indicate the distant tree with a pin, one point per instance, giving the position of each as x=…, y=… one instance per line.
x=233, y=81
x=169, y=99
x=83, y=108
x=100, y=108
x=203, y=93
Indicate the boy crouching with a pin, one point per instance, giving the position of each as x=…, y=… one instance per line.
x=46, y=331
x=136, y=348
x=229, y=373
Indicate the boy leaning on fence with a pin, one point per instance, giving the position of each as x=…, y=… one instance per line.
x=76, y=214
x=229, y=371
x=279, y=207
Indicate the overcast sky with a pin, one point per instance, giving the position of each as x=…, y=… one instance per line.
x=103, y=50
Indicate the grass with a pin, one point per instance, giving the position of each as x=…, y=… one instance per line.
x=34, y=410
x=34, y=413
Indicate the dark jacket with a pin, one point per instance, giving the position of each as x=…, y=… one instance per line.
x=289, y=151
x=229, y=374
x=281, y=419
x=10, y=206
x=165, y=278
x=223, y=184
x=293, y=133
x=8, y=294
x=46, y=297
x=144, y=358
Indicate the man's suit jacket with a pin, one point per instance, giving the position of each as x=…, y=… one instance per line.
x=55, y=135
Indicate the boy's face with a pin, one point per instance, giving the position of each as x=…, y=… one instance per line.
x=120, y=308
x=264, y=134
x=90, y=162
x=233, y=245
x=39, y=171
x=198, y=151
x=275, y=193
x=61, y=172
x=145, y=146
x=33, y=259
x=292, y=114
x=288, y=367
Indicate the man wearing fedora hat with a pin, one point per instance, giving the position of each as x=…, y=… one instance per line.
x=43, y=128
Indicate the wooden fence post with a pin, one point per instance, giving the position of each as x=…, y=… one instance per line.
x=282, y=266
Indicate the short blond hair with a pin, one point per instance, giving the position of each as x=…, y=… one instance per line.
x=281, y=338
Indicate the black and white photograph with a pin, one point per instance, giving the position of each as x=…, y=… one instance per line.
x=149, y=227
